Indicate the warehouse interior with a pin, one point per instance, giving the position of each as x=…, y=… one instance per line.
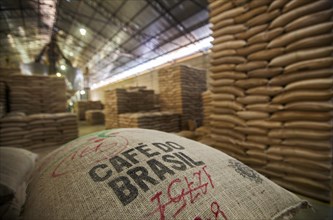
x=250, y=78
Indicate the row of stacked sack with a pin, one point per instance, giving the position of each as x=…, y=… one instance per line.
x=37, y=130
x=271, y=91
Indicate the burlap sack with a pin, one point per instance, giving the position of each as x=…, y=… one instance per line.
x=250, y=14
x=252, y=115
x=316, y=41
x=313, y=125
x=251, y=130
x=265, y=90
x=314, y=193
x=298, y=171
x=223, y=23
x=285, y=79
x=301, y=115
x=301, y=55
x=245, y=51
x=312, y=144
x=254, y=99
x=16, y=167
x=265, y=107
x=293, y=36
x=290, y=14
x=309, y=64
x=310, y=164
x=229, y=132
x=251, y=32
x=139, y=174
x=250, y=83
x=263, y=18
x=252, y=65
x=311, y=19
x=303, y=95
x=290, y=151
x=266, y=54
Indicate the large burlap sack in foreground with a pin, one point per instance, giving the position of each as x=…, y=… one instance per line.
x=16, y=167
x=146, y=174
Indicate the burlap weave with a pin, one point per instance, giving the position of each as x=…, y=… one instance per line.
x=146, y=174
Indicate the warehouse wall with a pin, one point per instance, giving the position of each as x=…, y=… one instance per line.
x=150, y=78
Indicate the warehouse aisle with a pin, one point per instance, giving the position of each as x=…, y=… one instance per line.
x=85, y=128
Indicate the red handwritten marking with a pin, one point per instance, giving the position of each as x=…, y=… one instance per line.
x=48, y=159
x=96, y=151
x=191, y=191
x=217, y=211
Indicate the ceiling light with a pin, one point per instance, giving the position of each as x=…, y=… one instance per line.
x=58, y=74
x=11, y=40
x=82, y=92
x=83, y=31
x=62, y=67
x=21, y=31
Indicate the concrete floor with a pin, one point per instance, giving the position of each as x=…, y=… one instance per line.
x=320, y=211
x=85, y=128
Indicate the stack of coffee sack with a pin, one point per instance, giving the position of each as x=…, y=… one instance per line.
x=82, y=106
x=162, y=121
x=43, y=130
x=180, y=91
x=207, y=107
x=131, y=100
x=37, y=94
x=37, y=130
x=3, y=102
x=67, y=124
x=271, y=83
x=14, y=130
x=95, y=117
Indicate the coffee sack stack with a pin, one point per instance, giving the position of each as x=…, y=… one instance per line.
x=95, y=117
x=67, y=124
x=180, y=91
x=82, y=106
x=37, y=94
x=57, y=98
x=37, y=130
x=43, y=131
x=20, y=95
x=271, y=81
x=14, y=130
x=141, y=99
x=119, y=101
x=207, y=107
x=3, y=103
x=115, y=99
x=162, y=121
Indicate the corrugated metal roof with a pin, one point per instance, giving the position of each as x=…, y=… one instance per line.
x=120, y=34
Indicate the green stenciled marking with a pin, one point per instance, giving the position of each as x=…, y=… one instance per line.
x=103, y=134
x=96, y=133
